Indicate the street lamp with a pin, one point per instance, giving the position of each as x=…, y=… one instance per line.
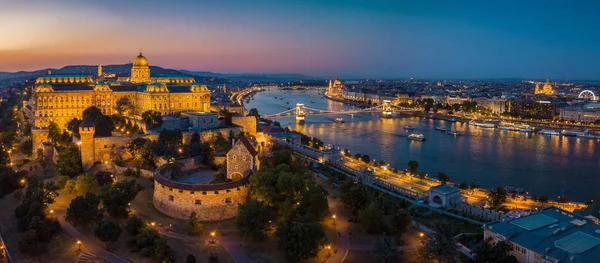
x=333, y=216
x=421, y=234
x=329, y=250
x=79, y=244
x=212, y=234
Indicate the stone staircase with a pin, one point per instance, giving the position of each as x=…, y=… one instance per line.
x=85, y=257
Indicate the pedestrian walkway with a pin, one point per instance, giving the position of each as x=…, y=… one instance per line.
x=88, y=245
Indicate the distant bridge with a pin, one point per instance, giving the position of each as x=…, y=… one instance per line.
x=301, y=111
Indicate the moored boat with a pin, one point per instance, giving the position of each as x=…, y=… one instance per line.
x=482, y=124
x=416, y=137
x=454, y=133
x=409, y=127
x=437, y=128
x=339, y=120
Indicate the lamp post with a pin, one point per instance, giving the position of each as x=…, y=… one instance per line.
x=212, y=234
x=329, y=250
x=79, y=244
x=333, y=216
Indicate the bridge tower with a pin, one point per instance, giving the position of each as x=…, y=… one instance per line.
x=300, y=113
x=386, y=109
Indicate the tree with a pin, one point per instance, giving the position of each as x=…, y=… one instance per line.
x=300, y=239
x=421, y=174
x=354, y=196
x=10, y=180
x=385, y=249
x=134, y=225
x=365, y=158
x=84, y=210
x=35, y=203
x=86, y=183
x=53, y=133
x=314, y=203
x=443, y=177
x=253, y=219
x=73, y=126
x=413, y=166
x=194, y=227
x=463, y=186
x=190, y=259
x=496, y=197
x=104, y=126
x=400, y=223
x=493, y=253
x=372, y=218
x=423, y=255
x=116, y=198
x=92, y=113
x=253, y=112
x=108, y=231
x=124, y=106
x=543, y=199
x=442, y=245
x=68, y=162
x=152, y=118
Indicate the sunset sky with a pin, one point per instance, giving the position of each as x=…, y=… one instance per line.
x=386, y=39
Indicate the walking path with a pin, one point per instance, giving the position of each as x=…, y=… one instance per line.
x=230, y=243
x=88, y=245
x=342, y=243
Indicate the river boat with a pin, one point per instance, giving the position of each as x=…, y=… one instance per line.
x=416, y=137
x=339, y=120
x=454, y=133
x=509, y=126
x=549, y=132
x=482, y=124
x=573, y=133
x=409, y=127
x=437, y=128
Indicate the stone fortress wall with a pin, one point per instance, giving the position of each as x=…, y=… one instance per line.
x=211, y=202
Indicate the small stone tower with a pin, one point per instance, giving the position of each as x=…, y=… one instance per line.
x=100, y=70
x=86, y=144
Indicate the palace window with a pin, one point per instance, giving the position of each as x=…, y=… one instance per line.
x=181, y=191
x=198, y=202
x=204, y=193
x=216, y=192
x=171, y=198
x=192, y=192
x=228, y=200
x=227, y=191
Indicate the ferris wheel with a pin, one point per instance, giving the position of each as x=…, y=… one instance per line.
x=587, y=94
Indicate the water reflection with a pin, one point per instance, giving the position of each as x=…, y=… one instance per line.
x=539, y=163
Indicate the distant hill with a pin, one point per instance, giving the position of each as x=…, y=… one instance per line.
x=119, y=70
x=250, y=76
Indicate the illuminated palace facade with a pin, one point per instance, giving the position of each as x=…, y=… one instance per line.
x=60, y=98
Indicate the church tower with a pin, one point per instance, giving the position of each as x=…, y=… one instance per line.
x=547, y=89
x=537, y=88
x=86, y=144
x=140, y=71
x=100, y=70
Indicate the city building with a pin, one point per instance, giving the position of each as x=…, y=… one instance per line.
x=552, y=235
x=335, y=88
x=532, y=109
x=580, y=114
x=545, y=90
x=242, y=159
x=444, y=195
x=60, y=98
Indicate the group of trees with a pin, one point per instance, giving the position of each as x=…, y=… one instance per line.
x=378, y=212
x=10, y=180
x=125, y=125
x=283, y=189
x=312, y=142
x=148, y=241
x=430, y=105
x=33, y=217
x=84, y=209
x=143, y=153
x=152, y=118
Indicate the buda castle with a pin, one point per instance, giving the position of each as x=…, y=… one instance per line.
x=60, y=98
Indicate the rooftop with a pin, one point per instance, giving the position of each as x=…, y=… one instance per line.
x=444, y=188
x=554, y=233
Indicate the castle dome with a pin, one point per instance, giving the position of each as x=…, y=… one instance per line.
x=140, y=61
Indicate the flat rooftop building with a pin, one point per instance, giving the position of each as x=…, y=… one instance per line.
x=551, y=236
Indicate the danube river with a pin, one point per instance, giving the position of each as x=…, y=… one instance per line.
x=541, y=164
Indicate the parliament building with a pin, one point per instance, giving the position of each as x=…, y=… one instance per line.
x=60, y=98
